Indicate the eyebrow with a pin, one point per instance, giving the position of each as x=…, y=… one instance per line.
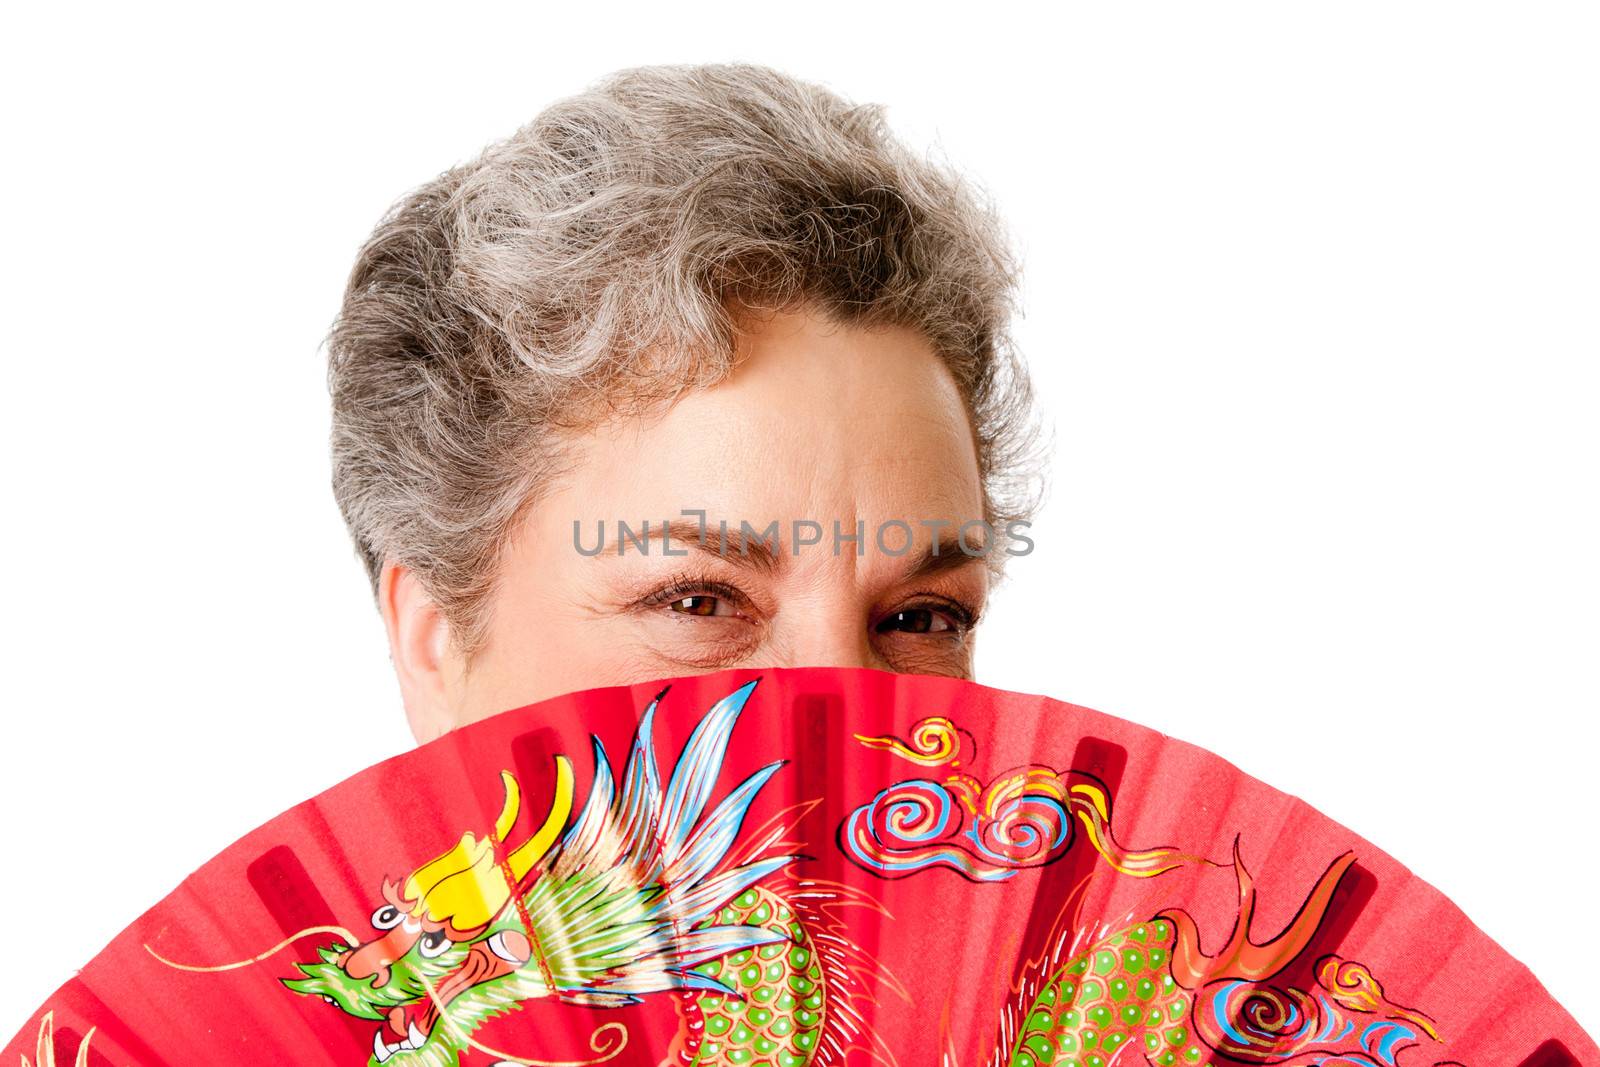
x=729, y=543
x=940, y=556
x=757, y=553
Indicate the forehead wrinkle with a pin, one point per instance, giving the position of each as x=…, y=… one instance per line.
x=733, y=545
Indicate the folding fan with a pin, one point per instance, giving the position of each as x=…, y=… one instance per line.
x=803, y=867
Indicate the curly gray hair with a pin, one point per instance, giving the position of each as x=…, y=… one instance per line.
x=599, y=258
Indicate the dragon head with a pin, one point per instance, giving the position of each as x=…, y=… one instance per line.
x=444, y=936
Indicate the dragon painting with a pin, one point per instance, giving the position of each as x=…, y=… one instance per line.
x=655, y=890
x=1145, y=992
x=637, y=897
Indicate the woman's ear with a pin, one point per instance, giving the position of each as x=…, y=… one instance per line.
x=419, y=645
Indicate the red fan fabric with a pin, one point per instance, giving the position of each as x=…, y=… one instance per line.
x=801, y=867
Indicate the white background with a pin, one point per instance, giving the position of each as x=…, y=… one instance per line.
x=1311, y=302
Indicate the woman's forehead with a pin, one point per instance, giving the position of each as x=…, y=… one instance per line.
x=816, y=417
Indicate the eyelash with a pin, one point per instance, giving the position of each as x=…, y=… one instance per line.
x=682, y=587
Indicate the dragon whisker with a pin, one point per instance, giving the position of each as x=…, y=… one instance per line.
x=350, y=939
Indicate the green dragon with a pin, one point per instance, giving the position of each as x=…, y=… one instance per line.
x=638, y=897
x=642, y=895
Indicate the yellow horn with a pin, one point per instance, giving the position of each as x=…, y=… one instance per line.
x=525, y=855
x=508, y=811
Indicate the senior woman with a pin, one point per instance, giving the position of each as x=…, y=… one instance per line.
x=699, y=369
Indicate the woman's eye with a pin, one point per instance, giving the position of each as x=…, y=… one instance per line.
x=699, y=622
x=918, y=621
x=701, y=604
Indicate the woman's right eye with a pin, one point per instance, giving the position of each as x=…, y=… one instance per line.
x=701, y=604
x=698, y=598
x=698, y=622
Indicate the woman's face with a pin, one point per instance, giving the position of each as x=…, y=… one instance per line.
x=819, y=422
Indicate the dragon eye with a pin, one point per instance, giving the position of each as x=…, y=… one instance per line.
x=433, y=945
x=387, y=917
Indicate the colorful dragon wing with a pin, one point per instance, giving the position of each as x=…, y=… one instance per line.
x=618, y=900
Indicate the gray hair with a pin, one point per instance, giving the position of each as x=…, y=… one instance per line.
x=599, y=259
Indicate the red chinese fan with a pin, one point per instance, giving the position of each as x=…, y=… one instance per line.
x=803, y=867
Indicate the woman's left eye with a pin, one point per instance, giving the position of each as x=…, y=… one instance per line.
x=919, y=621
